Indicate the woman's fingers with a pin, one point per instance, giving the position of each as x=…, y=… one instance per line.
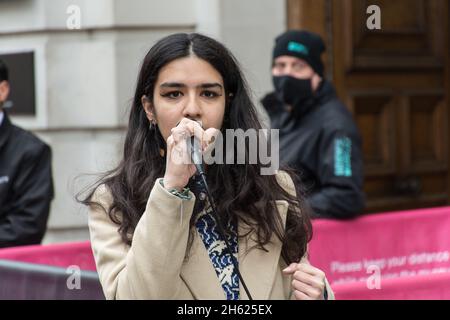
x=180, y=134
x=192, y=127
x=179, y=167
x=310, y=291
x=291, y=268
x=209, y=137
x=306, y=267
x=307, y=281
x=301, y=296
x=187, y=128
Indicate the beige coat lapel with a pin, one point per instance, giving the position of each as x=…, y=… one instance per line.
x=257, y=267
x=199, y=274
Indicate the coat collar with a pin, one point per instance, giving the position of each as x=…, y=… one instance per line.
x=5, y=130
x=257, y=267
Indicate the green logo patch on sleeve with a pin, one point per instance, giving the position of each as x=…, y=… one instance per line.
x=342, y=157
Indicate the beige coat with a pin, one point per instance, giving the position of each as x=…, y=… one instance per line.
x=153, y=267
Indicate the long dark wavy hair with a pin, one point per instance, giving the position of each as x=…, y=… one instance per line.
x=240, y=191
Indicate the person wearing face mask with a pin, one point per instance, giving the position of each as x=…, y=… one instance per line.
x=26, y=185
x=318, y=135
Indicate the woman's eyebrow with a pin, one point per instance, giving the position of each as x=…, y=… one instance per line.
x=172, y=85
x=182, y=85
x=210, y=85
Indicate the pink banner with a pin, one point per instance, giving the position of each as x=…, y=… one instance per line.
x=397, y=255
x=390, y=249
x=428, y=287
x=58, y=255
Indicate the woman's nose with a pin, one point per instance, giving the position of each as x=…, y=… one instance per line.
x=192, y=109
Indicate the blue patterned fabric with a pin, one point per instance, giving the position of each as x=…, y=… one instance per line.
x=207, y=228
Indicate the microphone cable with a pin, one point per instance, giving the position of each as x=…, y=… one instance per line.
x=196, y=159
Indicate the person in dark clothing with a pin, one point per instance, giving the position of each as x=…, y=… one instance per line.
x=318, y=136
x=26, y=186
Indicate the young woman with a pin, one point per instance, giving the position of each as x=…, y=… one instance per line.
x=153, y=233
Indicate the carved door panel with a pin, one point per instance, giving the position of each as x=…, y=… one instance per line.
x=396, y=83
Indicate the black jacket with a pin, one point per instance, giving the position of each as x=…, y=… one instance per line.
x=26, y=187
x=321, y=142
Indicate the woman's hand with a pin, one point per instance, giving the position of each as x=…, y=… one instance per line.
x=308, y=282
x=179, y=167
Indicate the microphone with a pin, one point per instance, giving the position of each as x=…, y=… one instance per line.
x=196, y=155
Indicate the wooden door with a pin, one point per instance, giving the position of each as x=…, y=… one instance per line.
x=396, y=83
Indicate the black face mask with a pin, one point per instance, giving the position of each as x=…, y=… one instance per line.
x=292, y=91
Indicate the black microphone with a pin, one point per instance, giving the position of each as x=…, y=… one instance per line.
x=197, y=155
